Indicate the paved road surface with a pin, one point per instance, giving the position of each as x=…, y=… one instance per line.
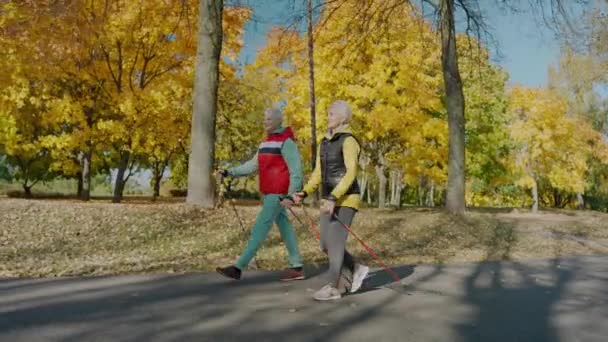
x=551, y=300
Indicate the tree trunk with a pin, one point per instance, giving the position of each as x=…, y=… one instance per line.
x=363, y=184
x=79, y=187
x=311, y=84
x=369, y=195
x=391, y=186
x=201, y=190
x=399, y=189
x=158, y=171
x=396, y=188
x=87, y=157
x=421, y=193
x=455, y=201
x=580, y=200
x=402, y=189
x=119, y=185
x=85, y=194
x=567, y=200
x=430, y=196
x=364, y=178
x=381, y=186
x=534, y=196
x=27, y=191
x=557, y=198
x=157, y=181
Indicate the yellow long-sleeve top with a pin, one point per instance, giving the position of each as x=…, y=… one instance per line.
x=350, y=152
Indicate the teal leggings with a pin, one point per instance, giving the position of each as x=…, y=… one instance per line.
x=271, y=212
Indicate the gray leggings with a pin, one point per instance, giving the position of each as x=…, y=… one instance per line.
x=333, y=242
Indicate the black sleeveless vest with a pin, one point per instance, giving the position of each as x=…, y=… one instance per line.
x=332, y=164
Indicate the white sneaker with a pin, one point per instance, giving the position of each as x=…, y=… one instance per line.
x=359, y=275
x=327, y=292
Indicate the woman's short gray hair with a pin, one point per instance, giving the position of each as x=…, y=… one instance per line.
x=341, y=108
x=274, y=113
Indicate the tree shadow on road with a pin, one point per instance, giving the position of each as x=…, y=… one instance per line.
x=508, y=310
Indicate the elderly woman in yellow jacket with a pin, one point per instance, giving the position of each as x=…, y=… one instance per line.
x=336, y=172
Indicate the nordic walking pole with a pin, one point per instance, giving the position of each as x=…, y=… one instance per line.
x=392, y=273
x=236, y=212
x=310, y=226
x=370, y=251
x=253, y=263
x=310, y=223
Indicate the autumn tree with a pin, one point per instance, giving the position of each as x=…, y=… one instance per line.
x=26, y=113
x=578, y=77
x=550, y=145
x=392, y=87
x=553, y=12
x=117, y=89
x=488, y=143
x=23, y=132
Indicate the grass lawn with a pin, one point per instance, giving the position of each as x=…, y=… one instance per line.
x=65, y=238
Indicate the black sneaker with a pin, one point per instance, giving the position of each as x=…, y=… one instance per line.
x=231, y=272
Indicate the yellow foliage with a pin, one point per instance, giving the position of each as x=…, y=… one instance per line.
x=103, y=76
x=391, y=85
x=549, y=143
